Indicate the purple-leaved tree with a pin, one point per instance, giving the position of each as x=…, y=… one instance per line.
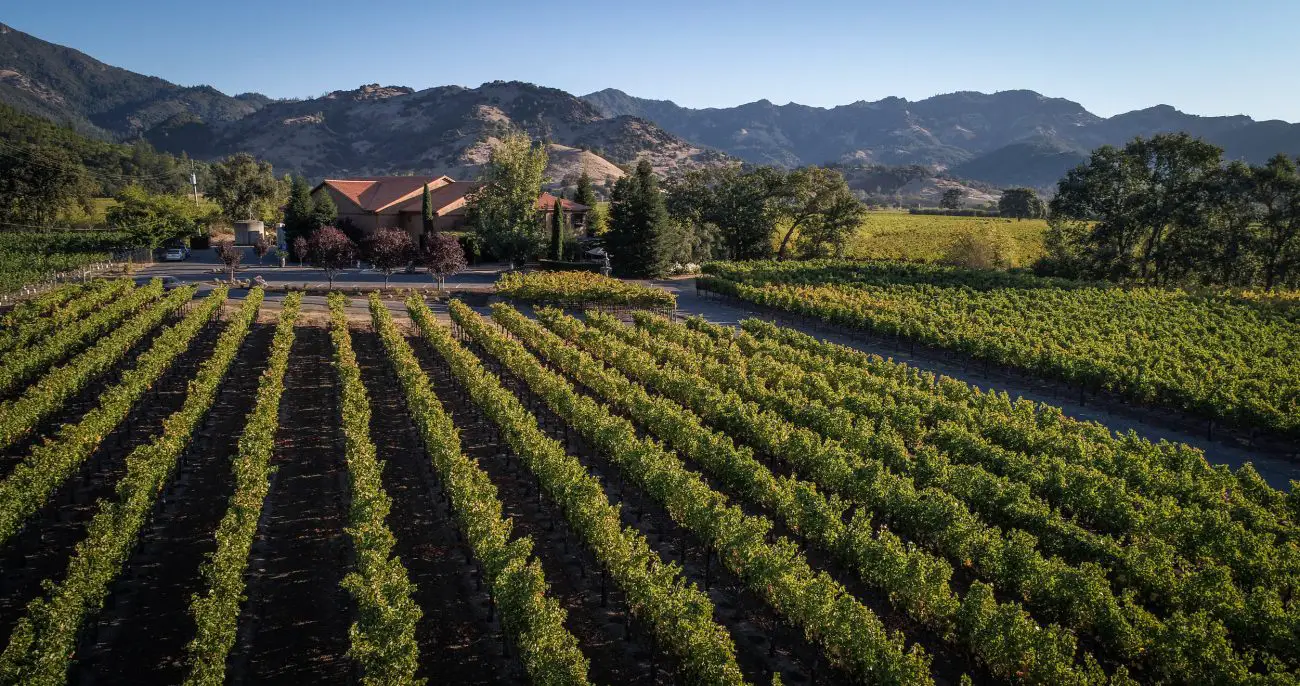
x=300, y=248
x=331, y=250
x=230, y=255
x=389, y=250
x=442, y=257
x=261, y=246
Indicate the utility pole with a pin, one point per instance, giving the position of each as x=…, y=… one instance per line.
x=194, y=182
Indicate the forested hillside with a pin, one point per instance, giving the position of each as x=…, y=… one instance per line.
x=48, y=171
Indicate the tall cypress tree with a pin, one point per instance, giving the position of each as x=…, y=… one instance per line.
x=557, y=231
x=639, y=226
x=426, y=211
x=298, y=212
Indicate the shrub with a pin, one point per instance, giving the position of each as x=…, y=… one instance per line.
x=984, y=250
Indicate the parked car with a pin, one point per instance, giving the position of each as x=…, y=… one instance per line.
x=174, y=255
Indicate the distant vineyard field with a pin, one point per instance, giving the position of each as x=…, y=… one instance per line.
x=889, y=235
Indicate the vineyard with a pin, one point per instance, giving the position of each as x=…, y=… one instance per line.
x=1220, y=356
x=30, y=257
x=926, y=238
x=382, y=492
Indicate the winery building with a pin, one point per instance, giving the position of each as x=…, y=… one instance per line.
x=377, y=202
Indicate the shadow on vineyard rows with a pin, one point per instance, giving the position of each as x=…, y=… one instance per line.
x=618, y=653
x=1275, y=458
x=41, y=549
x=458, y=644
x=764, y=645
x=79, y=404
x=152, y=596
x=294, y=625
x=948, y=664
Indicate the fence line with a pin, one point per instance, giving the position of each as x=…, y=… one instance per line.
x=51, y=281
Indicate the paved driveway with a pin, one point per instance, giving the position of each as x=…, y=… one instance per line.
x=204, y=267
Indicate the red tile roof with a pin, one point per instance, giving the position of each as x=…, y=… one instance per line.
x=546, y=201
x=443, y=198
x=375, y=194
x=393, y=194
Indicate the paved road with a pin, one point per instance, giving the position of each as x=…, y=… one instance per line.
x=203, y=267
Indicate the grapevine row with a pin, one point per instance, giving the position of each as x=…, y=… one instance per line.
x=43, y=304
x=383, y=637
x=216, y=613
x=849, y=634
x=20, y=417
x=1077, y=597
x=1217, y=357
x=87, y=300
x=680, y=615
x=22, y=363
x=1174, y=470
x=51, y=463
x=1001, y=635
x=1145, y=564
x=580, y=289
x=43, y=641
x=534, y=620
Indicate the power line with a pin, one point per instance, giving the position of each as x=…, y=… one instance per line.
x=110, y=229
x=29, y=154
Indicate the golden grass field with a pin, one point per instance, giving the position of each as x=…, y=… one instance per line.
x=902, y=236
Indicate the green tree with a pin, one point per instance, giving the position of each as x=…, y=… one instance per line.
x=426, y=210
x=1220, y=247
x=584, y=194
x=597, y=223
x=951, y=199
x=1094, y=227
x=640, y=231
x=299, y=217
x=503, y=211
x=1159, y=209
x=557, y=231
x=323, y=211
x=1277, y=190
x=37, y=184
x=153, y=219
x=1174, y=172
x=726, y=209
x=816, y=200
x=1020, y=203
x=241, y=185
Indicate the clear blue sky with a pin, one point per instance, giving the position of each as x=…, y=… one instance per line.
x=1203, y=56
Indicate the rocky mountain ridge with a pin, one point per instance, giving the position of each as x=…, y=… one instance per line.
x=1009, y=137
x=1006, y=138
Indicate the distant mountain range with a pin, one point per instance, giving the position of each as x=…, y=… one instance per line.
x=1011, y=137
x=367, y=131
x=1006, y=138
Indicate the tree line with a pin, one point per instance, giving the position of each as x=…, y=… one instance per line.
x=729, y=212
x=1169, y=210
